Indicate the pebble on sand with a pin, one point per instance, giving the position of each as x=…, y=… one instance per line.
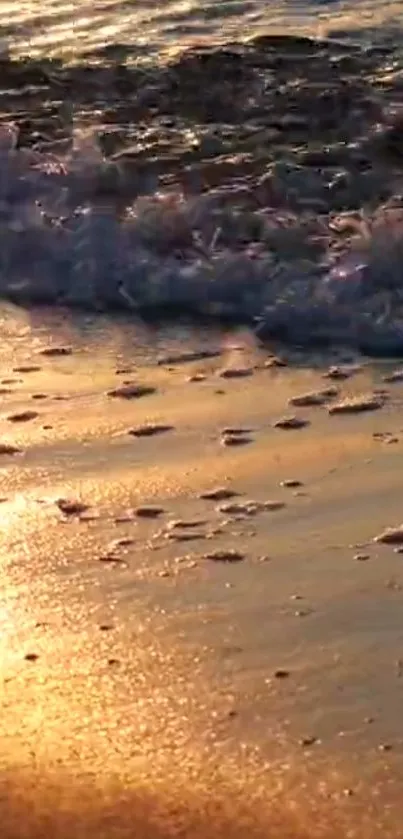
x=250, y=507
x=308, y=741
x=26, y=368
x=111, y=558
x=54, y=352
x=218, y=494
x=71, y=507
x=7, y=448
x=235, y=372
x=391, y=536
x=23, y=416
x=235, y=430
x=184, y=535
x=148, y=511
x=123, y=542
x=275, y=361
x=357, y=405
x=340, y=373
x=197, y=377
x=291, y=483
x=31, y=657
x=235, y=440
x=150, y=430
x=291, y=422
x=239, y=508
x=230, y=555
x=185, y=524
x=131, y=391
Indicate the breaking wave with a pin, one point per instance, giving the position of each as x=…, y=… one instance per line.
x=68, y=235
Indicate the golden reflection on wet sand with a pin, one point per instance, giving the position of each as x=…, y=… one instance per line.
x=139, y=696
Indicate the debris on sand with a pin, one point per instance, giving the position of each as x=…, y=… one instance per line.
x=23, y=416
x=218, y=494
x=149, y=430
x=291, y=422
x=391, y=536
x=357, y=405
x=131, y=391
x=230, y=555
x=313, y=398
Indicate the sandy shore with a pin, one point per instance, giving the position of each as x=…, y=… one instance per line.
x=150, y=688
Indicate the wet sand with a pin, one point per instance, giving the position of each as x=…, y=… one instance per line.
x=178, y=665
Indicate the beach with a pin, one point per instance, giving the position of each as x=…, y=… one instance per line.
x=201, y=386
x=196, y=635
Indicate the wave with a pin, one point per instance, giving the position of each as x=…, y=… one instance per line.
x=72, y=235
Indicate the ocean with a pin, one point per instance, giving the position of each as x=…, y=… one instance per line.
x=228, y=161
x=165, y=29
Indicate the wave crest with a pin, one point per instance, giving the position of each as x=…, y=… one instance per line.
x=71, y=234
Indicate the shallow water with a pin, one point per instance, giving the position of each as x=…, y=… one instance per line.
x=156, y=29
